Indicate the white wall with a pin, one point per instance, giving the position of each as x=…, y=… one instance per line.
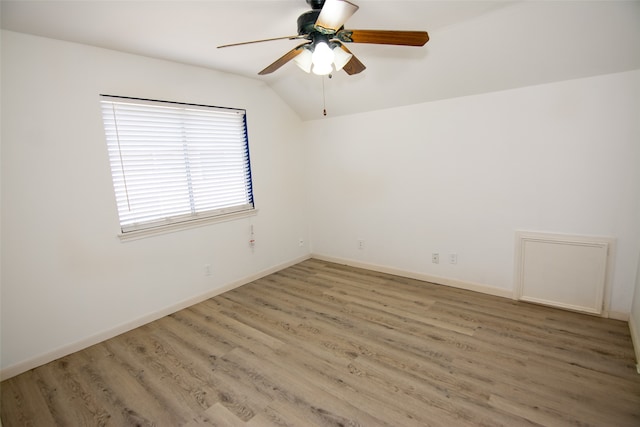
x=634, y=321
x=461, y=175
x=67, y=280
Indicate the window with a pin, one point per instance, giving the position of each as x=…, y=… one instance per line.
x=174, y=163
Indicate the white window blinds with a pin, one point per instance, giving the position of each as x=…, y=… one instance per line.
x=174, y=162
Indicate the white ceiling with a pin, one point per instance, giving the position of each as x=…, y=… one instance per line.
x=476, y=46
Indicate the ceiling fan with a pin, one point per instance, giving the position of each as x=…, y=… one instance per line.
x=324, y=50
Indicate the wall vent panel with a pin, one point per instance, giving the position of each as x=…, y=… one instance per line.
x=563, y=271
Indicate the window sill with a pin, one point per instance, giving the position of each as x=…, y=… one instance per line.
x=172, y=228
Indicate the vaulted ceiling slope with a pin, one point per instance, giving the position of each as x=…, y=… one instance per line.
x=476, y=46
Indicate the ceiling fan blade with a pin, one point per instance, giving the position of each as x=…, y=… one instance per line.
x=334, y=14
x=403, y=38
x=260, y=41
x=283, y=59
x=354, y=66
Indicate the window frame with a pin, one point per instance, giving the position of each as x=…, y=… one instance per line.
x=195, y=217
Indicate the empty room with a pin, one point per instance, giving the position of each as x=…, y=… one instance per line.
x=320, y=213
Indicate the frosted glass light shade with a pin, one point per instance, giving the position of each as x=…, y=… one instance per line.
x=322, y=59
x=303, y=60
x=322, y=54
x=322, y=69
x=340, y=58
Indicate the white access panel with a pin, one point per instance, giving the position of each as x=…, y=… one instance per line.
x=562, y=271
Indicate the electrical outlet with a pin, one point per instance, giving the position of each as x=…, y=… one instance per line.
x=207, y=270
x=435, y=258
x=361, y=244
x=301, y=242
x=453, y=258
x=252, y=238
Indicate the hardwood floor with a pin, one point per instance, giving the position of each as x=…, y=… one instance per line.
x=321, y=344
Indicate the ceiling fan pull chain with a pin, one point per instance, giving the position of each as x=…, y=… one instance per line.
x=324, y=100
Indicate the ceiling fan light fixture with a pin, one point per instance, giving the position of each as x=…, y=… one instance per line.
x=322, y=54
x=340, y=58
x=322, y=59
x=322, y=69
x=303, y=60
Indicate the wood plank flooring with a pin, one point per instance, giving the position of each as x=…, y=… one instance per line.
x=321, y=344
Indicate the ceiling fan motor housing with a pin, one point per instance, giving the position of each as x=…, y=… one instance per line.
x=306, y=22
x=315, y=4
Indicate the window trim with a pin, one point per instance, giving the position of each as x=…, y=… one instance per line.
x=185, y=225
x=195, y=219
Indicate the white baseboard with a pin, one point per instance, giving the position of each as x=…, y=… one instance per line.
x=617, y=315
x=634, y=327
x=454, y=283
x=50, y=356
